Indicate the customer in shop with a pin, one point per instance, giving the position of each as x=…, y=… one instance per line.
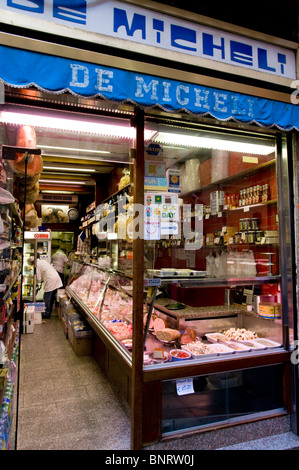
x=47, y=274
x=59, y=260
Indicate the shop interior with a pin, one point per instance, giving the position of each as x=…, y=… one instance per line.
x=212, y=260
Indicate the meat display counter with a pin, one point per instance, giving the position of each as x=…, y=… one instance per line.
x=173, y=331
x=225, y=347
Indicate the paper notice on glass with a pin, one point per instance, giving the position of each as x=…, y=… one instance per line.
x=184, y=386
x=152, y=231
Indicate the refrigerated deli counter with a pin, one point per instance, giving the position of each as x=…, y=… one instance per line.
x=202, y=366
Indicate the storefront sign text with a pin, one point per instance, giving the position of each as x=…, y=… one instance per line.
x=149, y=28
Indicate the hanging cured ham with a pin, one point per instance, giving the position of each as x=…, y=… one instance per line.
x=27, y=193
x=27, y=138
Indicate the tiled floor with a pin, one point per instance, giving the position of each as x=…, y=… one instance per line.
x=65, y=402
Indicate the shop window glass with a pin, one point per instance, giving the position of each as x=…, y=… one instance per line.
x=212, y=237
x=222, y=398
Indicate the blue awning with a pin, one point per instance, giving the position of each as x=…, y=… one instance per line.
x=20, y=68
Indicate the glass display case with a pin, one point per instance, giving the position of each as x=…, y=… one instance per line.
x=173, y=332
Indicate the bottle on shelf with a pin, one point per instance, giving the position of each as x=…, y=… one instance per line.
x=258, y=194
x=241, y=197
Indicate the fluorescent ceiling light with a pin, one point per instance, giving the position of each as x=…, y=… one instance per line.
x=61, y=181
x=72, y=125
x=211, y=143
x=72, y=149
x=67, y=169
x=58, y=191
x=90, y=159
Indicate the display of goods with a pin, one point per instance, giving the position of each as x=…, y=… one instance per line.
x=188, y=336
x=151, y=322
x=168, y=334
x=240, y=334
x=160, y=324
x=26, y=138
x=179, y=355
x=32, y=166
x=81, y=285
x=159, y=353
x=269, y=310
x=197, y=348
x=120, y=330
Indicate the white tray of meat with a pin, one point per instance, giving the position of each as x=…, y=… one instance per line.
x=238, y=347
x=268, y=343
x=240, y=334
x=252, y=344
x=219, y=348
x=198, y=349
x=214, y=337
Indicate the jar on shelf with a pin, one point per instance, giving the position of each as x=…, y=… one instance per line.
x=247, y=197
x=240, y=197
x=258, y=194
x=251, y=236
x=259, y=235
x=254, y=224
x=244, y=197
x=254, y=195
x=266, y=193
x=247, y=225
x=250, y=196
x=238, y=237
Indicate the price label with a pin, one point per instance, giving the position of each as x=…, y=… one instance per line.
x=152, y=282
x=184, y=386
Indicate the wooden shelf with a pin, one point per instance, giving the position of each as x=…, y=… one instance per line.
x=229, y=179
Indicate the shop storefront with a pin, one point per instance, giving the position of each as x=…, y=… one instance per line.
x=195, y=319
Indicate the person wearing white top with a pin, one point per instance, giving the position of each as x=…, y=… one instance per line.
x=52, y=281
x=59, y=259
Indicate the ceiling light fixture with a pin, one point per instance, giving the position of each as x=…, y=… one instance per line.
x=62, y=182
x=72, y=125
x=73, y=149
x=68, y=169
x=212, y=143
x=125, y=160
x=58, y=191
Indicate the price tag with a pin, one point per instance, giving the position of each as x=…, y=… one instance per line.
x=152, y=282
x=184, y=386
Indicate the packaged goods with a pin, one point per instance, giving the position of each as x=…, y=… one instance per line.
x=269, y=310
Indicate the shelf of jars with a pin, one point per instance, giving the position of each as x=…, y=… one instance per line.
x=108, y=208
